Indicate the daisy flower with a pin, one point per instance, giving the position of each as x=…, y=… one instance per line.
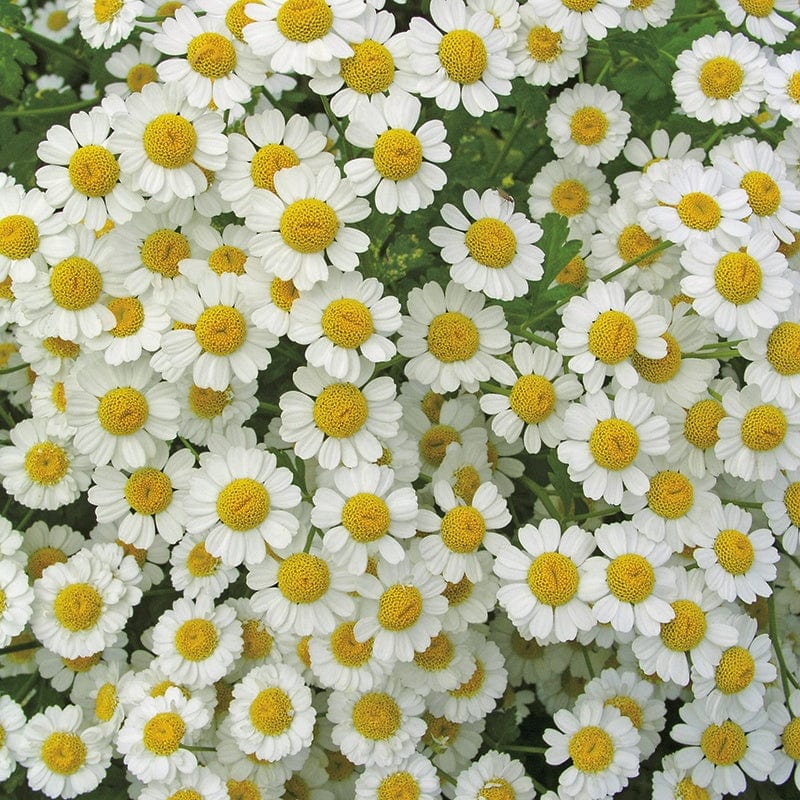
x=268, y=299
x=462, y=60
x=196, y=642
x=586, y=124
x=379, y=728
x=608, y=447
x=699, y=629
x=443, y=665
x=494, y=254
x=123, y=415
x=756, y=439
x=787, y=756
x=197, y=572
x=451, y=550
x=44, y=546
x=400, y=170
x=365, y=513
x=164, y=143
x=451, y=340
x=573, y=190
x=271, y=144
x=202, y=784
x=295, y=36
x=782, y=82
x=271, y=715
x=576, y=19
x=654, y=15
x=737, y=562
x=494, y=773
x=339, y=422
x=542, y=55
x=53, y=22
x=402, y=609
x=602, y=744
x=761, y=21
x=543, y=586
x=630, y=583
x=782, y=507
x=63, y=757
x=692, y=206
x=303, y=594
x=82, y=176
x=12, y=722
x=17, y=596
x=306, y=221
x=242, y=500
x=135, y=66
x=415, y=776
x=343, y=319
x=217, y=339
x=720, y=755
x=379, y=64
x=671, y=782
x=156, y=732
x=80, y=606
x=721, y=78
x=469, y=603
x=40, y=469
x=464, y=468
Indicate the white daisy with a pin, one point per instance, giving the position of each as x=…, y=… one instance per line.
x=269, y=299
x=636, y=17
x=576, y=19
x=761, y=20
x=202, y=784
x=105, y=23
x=45, y=545
x=52, y=21
x=464, y=468
x=782, y=82
x=673, y=783
x=415, y=776
x=443, y=665
x=788, y=755
x=469, y=603
x=492, y=774
x=17, y=596
x=134, y=65
x=195, y=571
x=12, y=722
x=782, y=507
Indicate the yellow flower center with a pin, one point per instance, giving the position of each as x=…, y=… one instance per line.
x=340, y=410
x=699, y=211
x=39, y=560
x=139, y=554
x=532, y=399
x=700, y=425
x=631, y=578
x=221, y=330
x=163, y=733
x=544, y=44
x=491, y=243
x=75, y=283
x=612, y=337
x=168, y=8
x=227, y=258
x=614, y=444
x=304, y=20
x=659, y=370
x=640, y=5
x=208, y=403
x=283, y=294
x=783, y=348
x=398, y=786
x=267, y=161
x=163, y=250
x=57, y=20
x=580, y=6
x=588, y=126
x=686, y=629
x=634, y=242
x=160, y=689
x=257, y=639
x=339, y=768
x=793, y=87
x=243, y=504
x=437, y=655
x=106, y=10
x=569, y=198
x=347, y=323
x=553, y=579
x=457, y=593
x=757, y=8
x=148, y=491
x=463, y=528
x=724, y=744
x=93, y=170
x=399, y=607
x=735, y=671
x=185, y=794
x=6, y=292
x=211, y=55
x=452, y=336
x=790, y=739
x=528, y=649
x=763, y=193
x=791, y=499
x=309, y=225
x=170, y=141
x=46, y=463
x=574, y=273
x=271, y=711
x=397, y=154
x=467, y=481
x=735, y=551
x=738, y=278
x=686, y=789
x=303, y=578
x=200, y=563
x=78, y=607
x=366, y=517
x=671, y=494
x=721, y=78
x=139, y=76
x=347, y=650
x=105, y=703
x=370, y=69
x=463, y=56
x=591, y=749
x=473, y=684
x=440, y=732
x=236, y=18
x=629, y=708
x=764, y=428
x=63, y=753
x=376, y=716
x=129, y=314
x=122, y=411
x=82, y=663
x=196, y=639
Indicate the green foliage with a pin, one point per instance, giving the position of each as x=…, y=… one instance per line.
x=14, y=55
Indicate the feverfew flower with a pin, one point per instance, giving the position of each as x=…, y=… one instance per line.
x=581, y=19
x=492, y=773
x=761, y=21
x=782, y=81
x=782, y=507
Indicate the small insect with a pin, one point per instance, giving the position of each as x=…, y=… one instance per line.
x=505, y=196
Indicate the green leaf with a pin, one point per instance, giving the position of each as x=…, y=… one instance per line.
x=13, y=54
x=558, y=252
x=11, y=15
x=501, y=727
x=559, y=479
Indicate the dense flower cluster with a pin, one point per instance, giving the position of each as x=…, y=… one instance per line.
x=343, y=524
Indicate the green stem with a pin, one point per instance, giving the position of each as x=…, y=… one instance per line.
x=50, y=47
x=337, y=123
x=538, y=340
x=188, y=445
x=446, y=775
x=43, y=112
x=588, y=661
x=16, y=648
x=270, y=408
x=494, y=389
x=660, y=247
x=7, y=418
x=716, y=354
x=603, y=71
x=312, y=532
x=16, y=368
x=517, y=127
x=27, y=686
x=542, y=495
x=743, y=504
x=520, y=748
x=786, y=676
x=25, y=520
x=193, y=748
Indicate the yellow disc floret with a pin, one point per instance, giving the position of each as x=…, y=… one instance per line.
x=340, y=410
x=452, y=336
x=148, y=491
x=553, y=579
x=686, y=629
x=106, y=702
x=170, y=141
x=236, y=18
x=738, y=278
x=283, y=294
x=163, y=733
x=720, y=78
x=790, y=739
x=491, y=242
x=757, y=8
x=78, y=607
x=227, y=258
x=671, y=494
x=724, y=744
x=633, y=242
x=628, y=707
x=763, y=428
x=544, y=44
x=163, y=250
x=532, y=399
x=271, y=711
x=473, y=684
x=41, y=558
x=612, y=337
x=267, y=161
x=588, y=126
x=398, y=786
x=702, y=421
x=304, y=20
x=735, y=671
x=243, y=504
x=46, y=463
x=591, y=749
x=659, y=370
x=303, y=578
x=93, y=170
x=208, y=403
x=129, y=314
x=106, y=10
x=309, y=225
x=200, y=563
x=437, y=655
x=763, y=194
x=399, y=607
x=370, y=69
x=366, y=517
x=75, y=283
x=196, y=639
x=631, y=578
x=734, y=551
x=433, y=443
x=397, y=154
x=614, y=444
x=347, y=650
x=569, y=198
x=376, y=716
x=463, y=528
x=221, y=330
x=463, y=56
x=783, y=348
x=347, y=323
x=57, y=20
x=211, y=55
x=139, y=75
x=699, y=211
x=122, y=411
x=63, y=753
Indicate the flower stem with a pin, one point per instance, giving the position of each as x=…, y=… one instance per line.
x=660, y=247
x=509, y=142
x=337, y=123
x=542, y=495
x=43, y=112
x=786, y=676
x=16, y=648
